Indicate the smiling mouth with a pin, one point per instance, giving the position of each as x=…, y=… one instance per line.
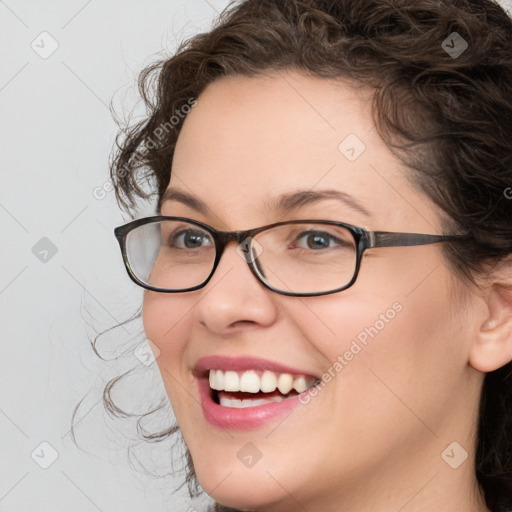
x=251, y=388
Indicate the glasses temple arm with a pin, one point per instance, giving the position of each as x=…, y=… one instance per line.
x=390, y=239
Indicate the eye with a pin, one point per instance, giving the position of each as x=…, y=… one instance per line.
x=320, y=240
x=190, y=239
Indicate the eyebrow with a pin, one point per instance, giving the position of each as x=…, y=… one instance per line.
x=285, y=203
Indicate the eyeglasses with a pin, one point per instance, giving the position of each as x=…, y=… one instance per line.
x=300, y=258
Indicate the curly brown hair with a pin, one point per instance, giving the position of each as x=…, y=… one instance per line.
x=447, y=117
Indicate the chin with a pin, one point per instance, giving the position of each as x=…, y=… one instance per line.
x=249, y=491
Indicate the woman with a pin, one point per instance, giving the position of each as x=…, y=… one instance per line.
x=356, y=353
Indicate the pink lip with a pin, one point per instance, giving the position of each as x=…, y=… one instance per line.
x=249, y=417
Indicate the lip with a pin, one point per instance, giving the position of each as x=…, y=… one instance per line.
x=249, y=417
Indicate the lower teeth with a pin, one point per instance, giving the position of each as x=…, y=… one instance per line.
x=236, y=403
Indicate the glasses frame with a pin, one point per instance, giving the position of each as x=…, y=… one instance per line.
x=363, y=239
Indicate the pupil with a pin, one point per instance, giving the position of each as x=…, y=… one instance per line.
x=193, y=240
x=317, y=240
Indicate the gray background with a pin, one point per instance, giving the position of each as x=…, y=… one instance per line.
x=61, y=276
x=56, y=134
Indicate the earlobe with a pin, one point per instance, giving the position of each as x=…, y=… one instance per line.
x=492, y=346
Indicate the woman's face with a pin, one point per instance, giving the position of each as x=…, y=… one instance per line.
x=391, y=351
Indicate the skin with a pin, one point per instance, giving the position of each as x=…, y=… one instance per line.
x=372, y=439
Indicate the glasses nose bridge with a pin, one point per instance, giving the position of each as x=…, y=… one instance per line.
x=226, y=237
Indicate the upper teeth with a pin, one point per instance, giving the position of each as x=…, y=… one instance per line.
x=252, y=381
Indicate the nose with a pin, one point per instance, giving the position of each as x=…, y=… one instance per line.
x=234, y=297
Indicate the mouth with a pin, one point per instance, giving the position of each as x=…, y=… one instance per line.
x=244, y=393
x=252, y=388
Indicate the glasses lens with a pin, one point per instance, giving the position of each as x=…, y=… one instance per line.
x=305, y=258
x=170, y=255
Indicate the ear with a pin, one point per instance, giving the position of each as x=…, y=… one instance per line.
x=492, y=346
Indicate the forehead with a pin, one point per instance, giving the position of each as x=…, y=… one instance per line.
x=250, y=138
x=275, y=119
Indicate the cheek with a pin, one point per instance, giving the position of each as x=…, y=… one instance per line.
x=166, y=321
x=388, y=346
x=403, y=313
x=165, y=317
